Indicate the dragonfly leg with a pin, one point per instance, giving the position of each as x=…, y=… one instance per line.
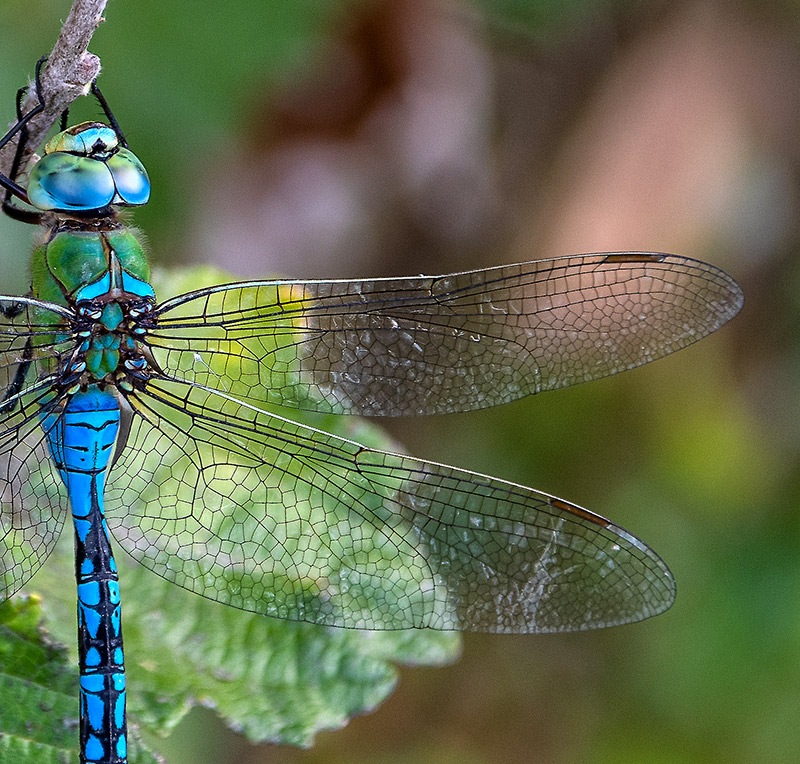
x=23, y=119
x=9, y=182
x=8, y=401
x=112, y=120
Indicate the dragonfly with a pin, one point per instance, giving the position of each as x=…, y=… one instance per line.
x=167, y=426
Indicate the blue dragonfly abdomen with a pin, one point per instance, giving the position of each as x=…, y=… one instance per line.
x=81, y=440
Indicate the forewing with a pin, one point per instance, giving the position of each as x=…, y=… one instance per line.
x=32, y=496
x=270, y=516
x=432, y=345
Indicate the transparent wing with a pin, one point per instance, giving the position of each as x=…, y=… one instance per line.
x=33, y=501
x=425, y=345
x=270, y=516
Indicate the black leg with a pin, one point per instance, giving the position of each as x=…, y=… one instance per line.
x=23, y=119
x=8, y=402
x=8, y=206
x=13, y=189
x=112, y=120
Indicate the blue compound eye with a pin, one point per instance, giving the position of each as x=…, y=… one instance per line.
x=66, y=182
x=85, y=169
x=130, y=178
x=89, y=139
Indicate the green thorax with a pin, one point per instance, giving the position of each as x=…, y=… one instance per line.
x=75, y=264
x=106, y=269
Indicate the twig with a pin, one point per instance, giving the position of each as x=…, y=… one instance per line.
x=66, y=75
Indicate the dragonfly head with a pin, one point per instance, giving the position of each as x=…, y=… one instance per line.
x=84, y=169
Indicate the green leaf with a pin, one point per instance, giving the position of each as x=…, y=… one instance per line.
x=273, y=680
x=38, y=692
x=38, y=688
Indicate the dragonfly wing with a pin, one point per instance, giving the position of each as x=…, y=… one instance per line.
x=33, y=503
x=267, y=515
x=432, y=345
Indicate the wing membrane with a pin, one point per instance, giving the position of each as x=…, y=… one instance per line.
x=32, y=496
x=432, y=345
x=33, y=500
x=265, y=514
